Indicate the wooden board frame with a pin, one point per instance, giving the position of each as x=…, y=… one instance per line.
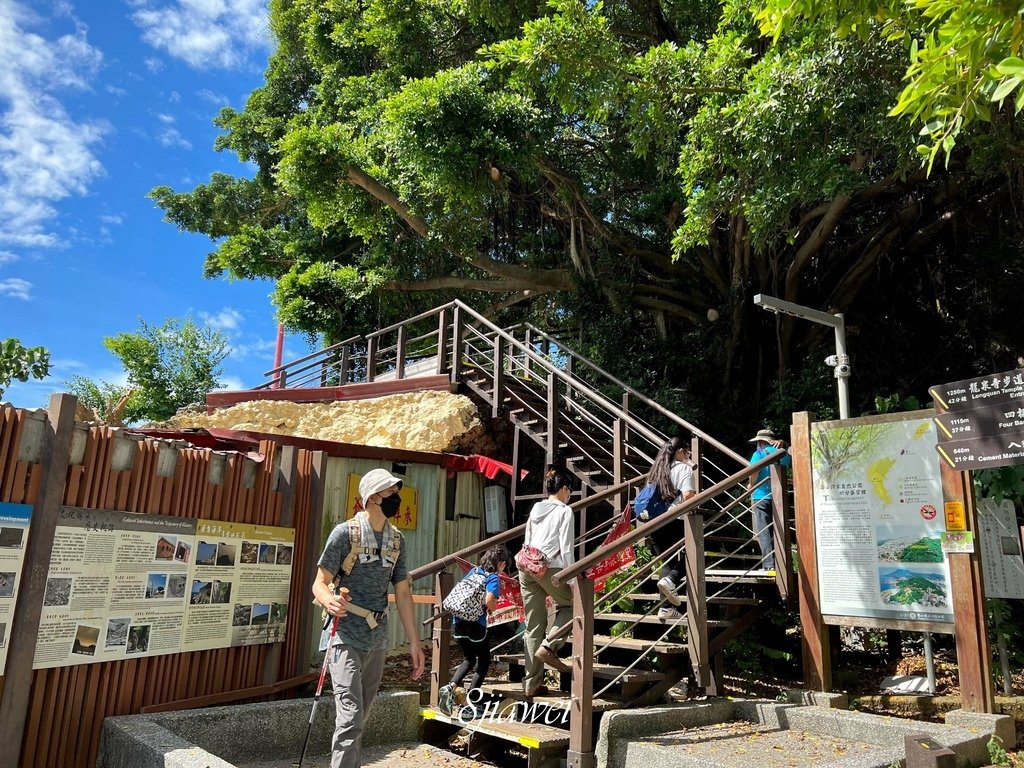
x=966, y=582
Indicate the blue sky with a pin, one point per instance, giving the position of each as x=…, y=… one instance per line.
x=101, y=101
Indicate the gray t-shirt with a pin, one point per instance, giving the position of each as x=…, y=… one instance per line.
x=367, y=587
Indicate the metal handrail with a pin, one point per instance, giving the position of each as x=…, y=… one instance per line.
x=500, y=538
x=676, y=511
x=319, y=353
x=634, y=393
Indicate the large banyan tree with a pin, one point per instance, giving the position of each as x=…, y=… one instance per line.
x=631, y=173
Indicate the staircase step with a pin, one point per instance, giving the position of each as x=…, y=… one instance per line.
x=531, y=735
x=656, y=596
x=639, y=618
x=731, y=556
x=634, y=644
x=559, y=699
x=606, y=671
x=726, y=576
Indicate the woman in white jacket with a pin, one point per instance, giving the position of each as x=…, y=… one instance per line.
x=549, y=529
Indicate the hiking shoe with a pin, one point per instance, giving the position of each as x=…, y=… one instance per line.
x=667, y=587
x=550, y=658
x=668, y=613
x=446, y=699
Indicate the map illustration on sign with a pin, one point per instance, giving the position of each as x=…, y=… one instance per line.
x=877, y=496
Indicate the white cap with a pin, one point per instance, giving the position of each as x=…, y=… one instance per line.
x=375, y=481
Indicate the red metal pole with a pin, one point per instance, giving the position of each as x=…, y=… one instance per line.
x=278, y=353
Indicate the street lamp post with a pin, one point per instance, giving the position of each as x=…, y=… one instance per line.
x=840, y=361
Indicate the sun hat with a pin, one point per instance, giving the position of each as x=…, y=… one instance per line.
x=375, y=481
x=763, y=436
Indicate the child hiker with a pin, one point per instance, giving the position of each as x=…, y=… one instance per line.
x=470, y=601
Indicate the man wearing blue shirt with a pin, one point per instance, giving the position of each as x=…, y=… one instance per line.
x=765, y=444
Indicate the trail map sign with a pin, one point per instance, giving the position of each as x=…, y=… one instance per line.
x=878, y=519
x=14, y=522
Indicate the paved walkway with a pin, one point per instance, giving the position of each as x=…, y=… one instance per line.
x=386, y=756
x=741, y=744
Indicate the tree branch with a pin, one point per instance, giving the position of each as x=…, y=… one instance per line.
x=548, y=279
x=458, y=283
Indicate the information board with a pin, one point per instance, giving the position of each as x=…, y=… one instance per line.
x=1001, y=561
x=878, y=520
x=123, y=585
x=14, y=523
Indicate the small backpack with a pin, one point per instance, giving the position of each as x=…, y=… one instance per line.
x=466, y=600
x=649, y=500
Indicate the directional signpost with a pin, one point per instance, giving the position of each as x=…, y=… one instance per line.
x=980, y=422
x=980, y=425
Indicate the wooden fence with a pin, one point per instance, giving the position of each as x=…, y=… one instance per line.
x=54, y=717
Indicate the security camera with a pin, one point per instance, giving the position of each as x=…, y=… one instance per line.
x=841, y=363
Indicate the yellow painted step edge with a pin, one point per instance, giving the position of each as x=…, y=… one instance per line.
x=525, y=741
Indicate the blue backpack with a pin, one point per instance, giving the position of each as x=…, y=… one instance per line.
x=649, y=500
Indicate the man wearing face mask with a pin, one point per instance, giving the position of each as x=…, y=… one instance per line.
x=365, y=555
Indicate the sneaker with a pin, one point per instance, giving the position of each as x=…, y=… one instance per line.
x=446, y=699
x=668, y=613
x=468, y=713
x=667, y=587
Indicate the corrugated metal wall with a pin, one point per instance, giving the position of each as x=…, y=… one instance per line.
x=422, y=545
x=67, y=705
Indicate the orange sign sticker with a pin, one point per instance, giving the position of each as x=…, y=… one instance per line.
x=408, y=513
x=956, y=520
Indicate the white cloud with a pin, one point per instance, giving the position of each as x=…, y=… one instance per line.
x=165, y=119
x=16, y=288
x=227, y=319
x=171, y=137
x=45, y=155
x=6, y=257
x=111, y=219
x=213, y=97
x=205, y=33
x=153, y=64
x=231, y=383
x=115, y=91
x=261, y=349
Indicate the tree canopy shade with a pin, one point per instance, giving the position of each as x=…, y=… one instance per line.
x=632, y=171
x=962, y=55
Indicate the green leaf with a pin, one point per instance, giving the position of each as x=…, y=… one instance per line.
x=1011, y=66
x=1005, y=88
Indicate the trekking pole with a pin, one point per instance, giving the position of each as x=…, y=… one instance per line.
x=320, y=682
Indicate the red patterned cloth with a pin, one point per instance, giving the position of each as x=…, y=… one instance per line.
x=620, y=559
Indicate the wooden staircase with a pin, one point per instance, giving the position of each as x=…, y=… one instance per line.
x=603, y=431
